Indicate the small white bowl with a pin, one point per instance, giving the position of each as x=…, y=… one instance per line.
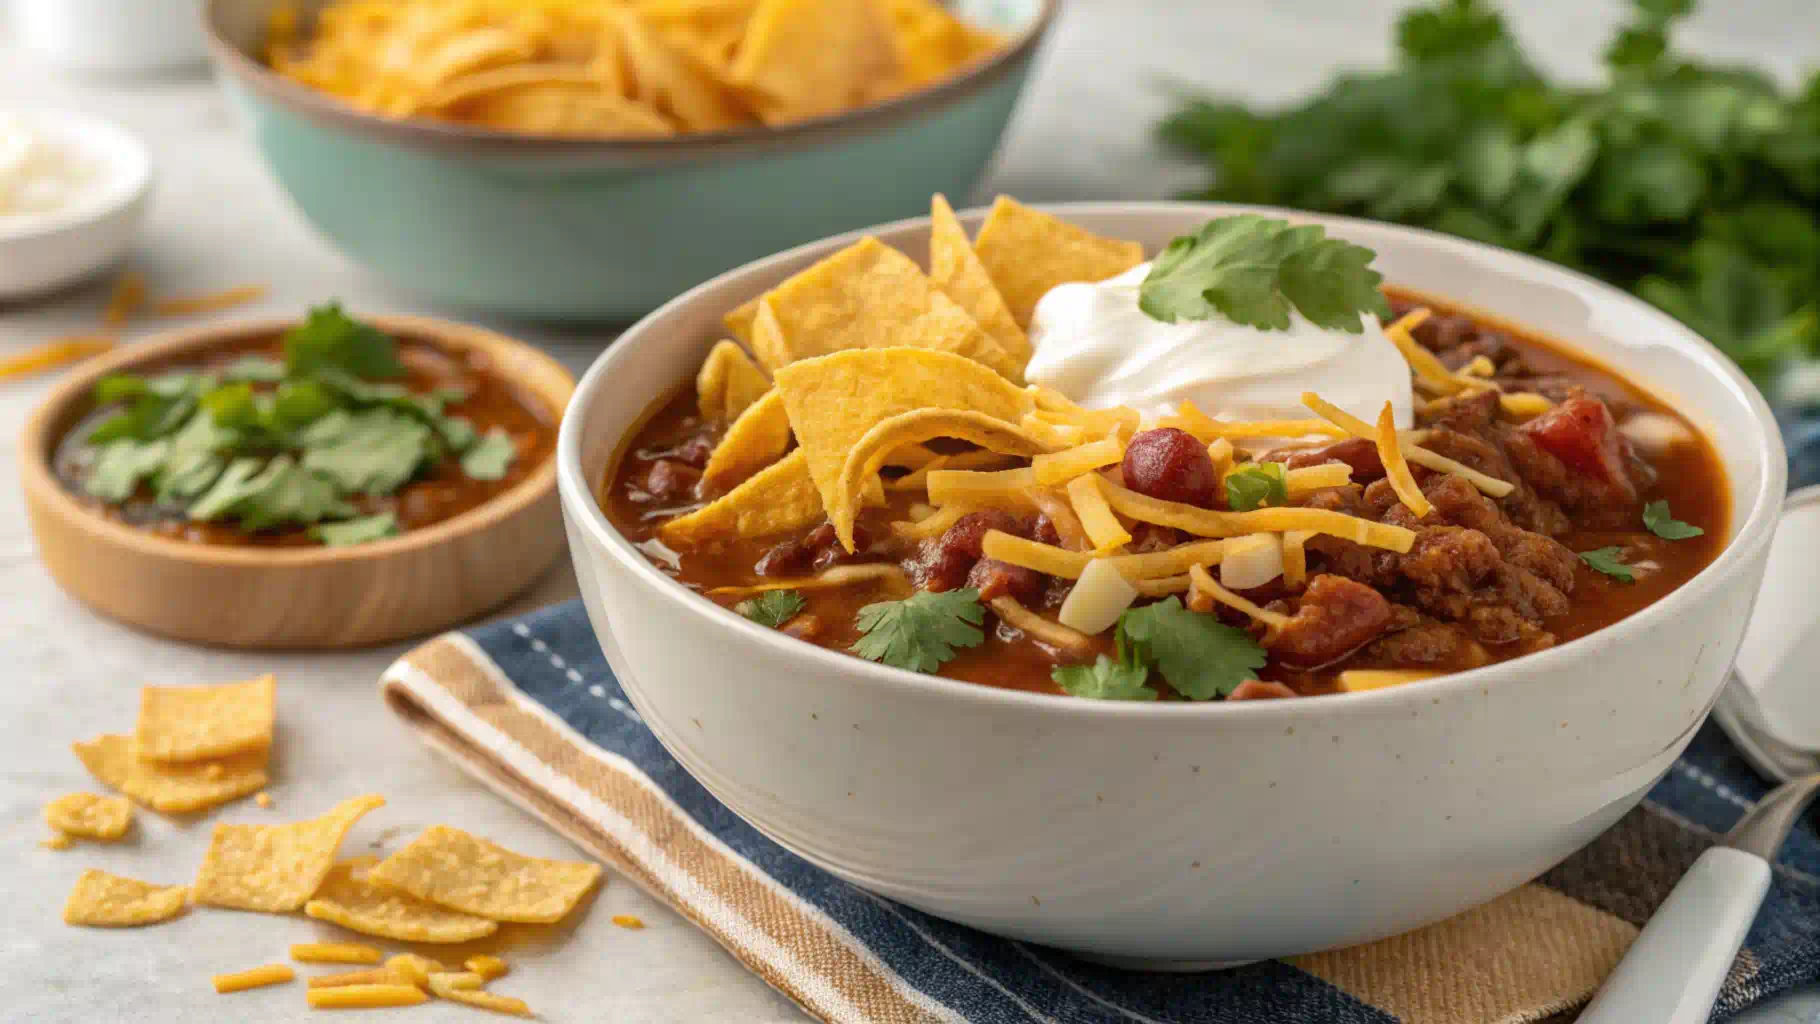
x=40, y=252
x=1171, y=834
x=112, y=37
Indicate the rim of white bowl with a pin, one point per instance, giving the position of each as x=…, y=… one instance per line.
x=127, y=173
x=580, y=503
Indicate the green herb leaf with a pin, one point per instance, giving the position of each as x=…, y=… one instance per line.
x=196, y=460
x=148, y=418
x=489, y=457
x=231, y=405
x=920, y=632
x=370, y=452
x=1609, y=561
x=329, y=339
x=356, y=531
x=1663, y=524
x=119, y=387
x=257, y=369
x=1255, y=271
x=772, y=608
x=1201, y=657
x=240, y=481
x=457, y=433
x=121, y=465
x=1256, y=485
x=1119, y=678
x=298, y=403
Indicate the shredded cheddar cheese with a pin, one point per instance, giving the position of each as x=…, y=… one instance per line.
x=53, y=354
x=933, y=525
x=365, y=997
x=1354, y=680
x=1295, y=555
x=258, y=977
x=1396, y=468
x=1102, y=527
x=1163, y=587
x=1208, y=523
x=974, y=487
x=127, y=297
x=1203, y=592
x=838, y=576
x=1069, y=464
x=1052, y=633
x=1414, y=453
x=1044, y=558
x=228, y=298
x=335, y=953
x=1302, y=482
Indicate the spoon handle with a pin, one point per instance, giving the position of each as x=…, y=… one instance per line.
x=1673, y=972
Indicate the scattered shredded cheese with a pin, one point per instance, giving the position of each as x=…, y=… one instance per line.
x=1063, y=466
x=933, y=525
x=628, y=921
x=1396, y=468
x=1170, y=561
x=490, y=967
x=376, y=976
x=1481, y=366
x=1044, y=558
x=1354, y=680
x=1295, y=556
x=1102, y=527
x=1163, y=587
x=1001, y=488
x=53, y=354
x=1208, y=523
x=127, y=297
x=1309, y=479
x=839, y=576
x=335, y=953
x=365, y=996
x=1205, y=428
x=258, y=977
x=1203, y=592
x=1524, y=404
x=209, y=303
x=1414, y=453
x=1054, y=504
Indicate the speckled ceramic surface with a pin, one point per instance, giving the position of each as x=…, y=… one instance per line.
x=604, y=230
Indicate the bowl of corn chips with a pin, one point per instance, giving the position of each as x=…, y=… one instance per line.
x=590, y=159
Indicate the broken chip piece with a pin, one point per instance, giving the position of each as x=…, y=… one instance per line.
x=348, y=899
x=194, y=723
x=275, y=868
x=450, y=867
x=89, y=815
x=101, y=900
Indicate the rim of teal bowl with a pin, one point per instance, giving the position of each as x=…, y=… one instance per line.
x=426, y=133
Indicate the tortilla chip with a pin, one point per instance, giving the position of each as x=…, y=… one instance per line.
x=473, y=50
x=758, y=438
x=101, y=900
x=671, y=80
x=956, y=269
x=172, y=787
x=835, y=399
x=805, y=58
x=1028, y=252
x=868, y=295
x=275, y=868
x=452, y=868
x=90, y=816
x=780, y=498
x=739, y=322
x=346, y=898
x=547, y=100
x=193, y=723
x=930, y=44
x=728, y=382
x=913, y=428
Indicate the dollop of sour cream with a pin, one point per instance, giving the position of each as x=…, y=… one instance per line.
x=1093, y=344
x=38, y=174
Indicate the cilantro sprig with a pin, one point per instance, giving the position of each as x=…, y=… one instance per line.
x=263, y=443
x=1122, y=677
x=1610, y=561
x=1694, y=185
x=920, y=632
x=1256, y=485
x=1255, y=271
x=1198, y=655
x=1663, y=524
x=772, y=608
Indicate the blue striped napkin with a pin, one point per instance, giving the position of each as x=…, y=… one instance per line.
x=530, y=707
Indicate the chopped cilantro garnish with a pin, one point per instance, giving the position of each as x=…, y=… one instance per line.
x=1256, y=485
x=772, y=608
x=1255, y=271
x=329, y=339
x=356, y=531
x=1120, y=678
x=920, y=632
x=1663, y=524
x=1609, y=561
x=264, y=443
x=489, y=457
x=1201, y=657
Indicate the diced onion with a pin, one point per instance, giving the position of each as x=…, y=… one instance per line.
x=1099, y=597
x=1220, y=451
x=1252, y=561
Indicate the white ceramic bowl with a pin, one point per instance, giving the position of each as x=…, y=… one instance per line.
x=40, y=252
x=1176, y=832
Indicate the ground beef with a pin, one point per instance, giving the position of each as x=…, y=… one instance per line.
x=1334, y=617
x=819, y=549
x=993, y=578
x=1426, y=642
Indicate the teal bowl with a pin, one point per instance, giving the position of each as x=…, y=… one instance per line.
x=607, y=230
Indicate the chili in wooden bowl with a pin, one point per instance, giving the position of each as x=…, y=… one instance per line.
x=416, y=555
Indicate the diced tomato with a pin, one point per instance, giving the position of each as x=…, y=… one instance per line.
x=1581, y=433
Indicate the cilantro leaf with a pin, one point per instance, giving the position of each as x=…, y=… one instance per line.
x=1201, y=657
x=1663, y=524
x=298, y=403
x=147, y=418
x=1255, y=271
x=772, y=608
x=920, y=632
x=291, y=494
x=1256, y=485
x=489, y=457
x=371, y=452
x=1609, y=561
x=457, y=432
x=231, y=405
x=121, y=465
x=196, y=458
x=356, y=531
x=329, y=339
x=253, y=368
x=1120, y=678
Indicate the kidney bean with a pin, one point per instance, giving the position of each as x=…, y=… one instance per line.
x=1171, y=465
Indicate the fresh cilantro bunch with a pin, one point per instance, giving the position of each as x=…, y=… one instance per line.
x=1694, y=185
x=264, y=444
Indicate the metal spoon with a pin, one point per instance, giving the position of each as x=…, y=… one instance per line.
x=1673, y=971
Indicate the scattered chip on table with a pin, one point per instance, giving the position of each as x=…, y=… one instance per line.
x=450, y=867
x=1028, y=252
x=90, y=816
x=348, y=899
x=275, y=868
x=101, y=900
x=170, y=786
x=193, y=723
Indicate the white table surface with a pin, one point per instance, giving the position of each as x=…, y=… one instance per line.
x=219, y=220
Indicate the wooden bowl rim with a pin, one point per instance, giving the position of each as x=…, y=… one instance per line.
x=36, y=443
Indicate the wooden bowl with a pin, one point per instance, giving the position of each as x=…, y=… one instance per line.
x=425, y=580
